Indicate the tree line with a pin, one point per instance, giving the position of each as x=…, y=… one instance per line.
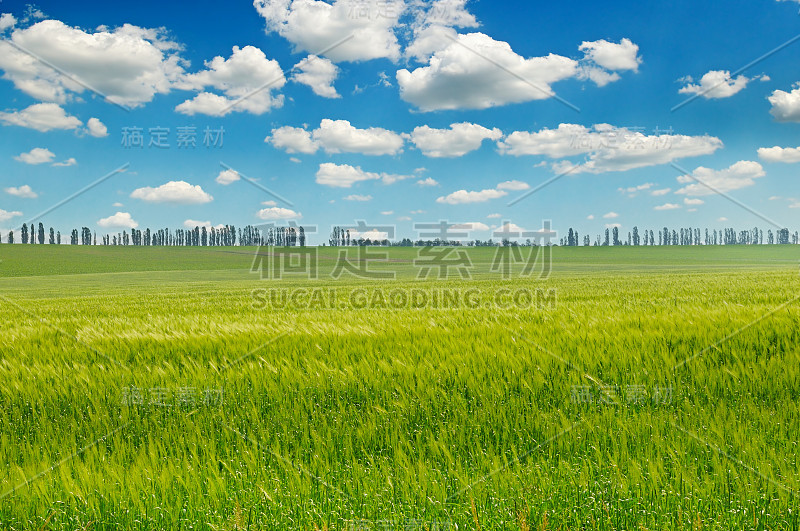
x=229, y=236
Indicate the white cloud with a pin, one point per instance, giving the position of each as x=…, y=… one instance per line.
x=472, y=226
x=63, y=164
x=7, y=20
x=128, y=64
x=178, y=192
x=590, y=217
x=292, y=140
x=716, y=84
x=513, y=186
x=372, y=235
x=192, y=223
x=387, y=212
x=459, y=140
x=96, y=128
x=269, y=203
x=693, y=202
x=660, y=192
x=338, y=136
x=247, y=78
x=36, y=156
x=608, y=148
x=739, y=175
x=415, y=212
x=318, y=73
x=779, y=154
x=24, y=191
x=356, y=197
x=494, y=216
x=462, y=197
x=598, y=76
x=633, y=190
x=722, y=219
x=227, y=177
x=350, y=30
x=120, y=220
x=474, y=71
x=117, y=205
x=456, y=78
x=785, y=105
x=277, y=213
x=42, y=117
x=6, y=215
x=509, y=230
x=611, y=215
x=345, y=176
x=667, y=206
x=404, y=218
x=613, y=56
x=427, y=182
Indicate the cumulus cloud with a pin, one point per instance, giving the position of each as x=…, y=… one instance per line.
x=513, y=185
x=277, y=213
x=427, y=182
x=129, y=64
x=462, y=197
x=349, y=30
x=292, y=140
x=337, y=136
x=5, y=215
x=458, y=140
x=227, y=177
x=345, y=176
x=779, y=154
x=474, y=71
x=178, y=192
x=318, y=73
x=456, y=78
x=192, y=223
x=36, y=156
x=41, y=117
x=660, y=192
x=64, y=163
x=120, y=220
x=693, y=202
x=603, y=59
x=356, y=197
x=785, y=105
x=608, y=148
x=632, y=191
x=613, y=56
x=96, y=128
x=7, y=20
x=474, y=226
x=247, y=79
x=24, y=191
x=611, y=215
x=667, y=206
x=716, y=84
x=740, y=175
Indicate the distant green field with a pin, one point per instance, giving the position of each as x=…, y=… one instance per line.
x=169, y=388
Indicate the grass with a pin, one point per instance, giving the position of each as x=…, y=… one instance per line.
x=573, y=415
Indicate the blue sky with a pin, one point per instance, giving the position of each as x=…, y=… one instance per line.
x=365, y=130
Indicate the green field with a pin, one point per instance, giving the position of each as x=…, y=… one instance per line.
x=642, y=388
